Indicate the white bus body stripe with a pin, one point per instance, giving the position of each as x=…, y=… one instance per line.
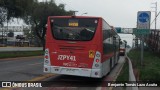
x=102, y=69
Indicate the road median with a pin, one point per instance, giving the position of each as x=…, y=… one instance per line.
x=17, y=54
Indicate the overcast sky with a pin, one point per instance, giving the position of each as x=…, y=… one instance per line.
x=119, y=13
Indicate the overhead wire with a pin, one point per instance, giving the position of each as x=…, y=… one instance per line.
x=155, y=18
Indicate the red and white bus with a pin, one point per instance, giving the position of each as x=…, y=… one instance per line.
x=80, y=46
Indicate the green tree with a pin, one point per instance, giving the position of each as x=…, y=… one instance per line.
x=34, y=13
x=3, y=16
x=38, y=15
x=13, y=9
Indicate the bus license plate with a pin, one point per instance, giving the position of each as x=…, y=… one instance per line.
x=70, y=70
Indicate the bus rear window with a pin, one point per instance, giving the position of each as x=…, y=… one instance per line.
x=75, y=29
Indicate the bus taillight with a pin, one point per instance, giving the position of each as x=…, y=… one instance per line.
x=98, y=55
x=97, y=60
x=96, y=65
x=96, y=73
x=46, y=69
x=46, y=61
x=47, y=58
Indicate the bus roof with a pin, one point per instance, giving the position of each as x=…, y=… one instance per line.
x=73, y=17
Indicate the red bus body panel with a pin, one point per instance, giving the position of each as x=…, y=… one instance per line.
x=79, y=49
x=92, y=58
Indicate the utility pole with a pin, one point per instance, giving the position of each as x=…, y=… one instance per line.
x=155, y=14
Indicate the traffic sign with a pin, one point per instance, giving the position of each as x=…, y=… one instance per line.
x=141, y=31
x=118, y=29
x=143, y=19
x=143, y=27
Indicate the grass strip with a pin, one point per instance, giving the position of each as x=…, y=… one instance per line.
x=150, y=70
x=14, y=54
x=124, y=74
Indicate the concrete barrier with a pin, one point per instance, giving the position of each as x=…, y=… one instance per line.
x=131, y=74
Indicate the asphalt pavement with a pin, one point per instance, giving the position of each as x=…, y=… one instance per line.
x=21, y=69
x=29, y=68
x=81, y=83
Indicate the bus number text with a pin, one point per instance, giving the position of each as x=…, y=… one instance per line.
x=67, y=57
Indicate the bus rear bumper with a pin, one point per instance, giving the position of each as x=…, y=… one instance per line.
x=95, y=73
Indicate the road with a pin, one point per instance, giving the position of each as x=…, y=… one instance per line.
x=24, y=69
x=20, y=69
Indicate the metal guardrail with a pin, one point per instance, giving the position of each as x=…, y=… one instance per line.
x=14, y=28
